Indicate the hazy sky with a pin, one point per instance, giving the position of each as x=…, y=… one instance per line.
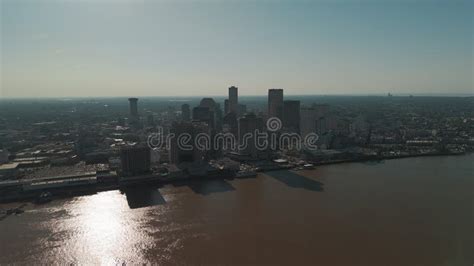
x=162, y=48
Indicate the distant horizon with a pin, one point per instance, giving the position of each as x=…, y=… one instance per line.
x=254, y=95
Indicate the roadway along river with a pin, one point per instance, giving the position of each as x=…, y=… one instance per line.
x=415, y=211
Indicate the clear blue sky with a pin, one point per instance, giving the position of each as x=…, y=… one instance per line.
x=162, y=48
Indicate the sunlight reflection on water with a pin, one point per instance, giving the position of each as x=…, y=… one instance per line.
x=105, y=230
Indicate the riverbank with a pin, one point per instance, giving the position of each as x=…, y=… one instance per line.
x=20, y=190
x=381, y=158
x=17, y=192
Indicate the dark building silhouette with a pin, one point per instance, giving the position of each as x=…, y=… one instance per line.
x=275, y=103
x=135, y=160
x=308, y=117
x=218, y=117
x=249, y=124
x=181, y=154
x=230, y=122
x=185, y=112
x=133, y=107
x=233, y=99
x=291, y=116
x=87, y=141
x=209, y=103
x=203, y=114
x=206, y=112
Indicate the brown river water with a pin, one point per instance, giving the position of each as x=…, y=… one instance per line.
x=414, y=211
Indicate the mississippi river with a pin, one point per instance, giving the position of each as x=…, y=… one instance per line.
x=414, y=211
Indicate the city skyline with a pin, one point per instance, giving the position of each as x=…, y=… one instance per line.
x=159, y=48
x=236, y=132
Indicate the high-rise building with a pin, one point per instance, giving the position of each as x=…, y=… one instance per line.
x=203, y=114
x=233, y=99
x=332, y=123
x=230, y=122
x=209, y=103
x=206, y=112
x=291, y=116
x=275, y=103
x=185, y=112
x=218, y=117
x=179, y=152
x=322, y=126
x=133, y=106
x=248, y=125
x=135, y=160
x=308, y=117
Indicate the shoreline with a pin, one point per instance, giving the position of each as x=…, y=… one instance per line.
x=382, y=158
x=24, y=197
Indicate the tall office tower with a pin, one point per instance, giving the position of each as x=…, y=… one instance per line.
x=185, y=112
x=332, y=123
x=133, y=106
x=230, y=123
x=308, y=117
x=275, y=103
x=218, y=117
x=180, y=152
x=209, y=103
x=291, y=116
x=206, y=112
x=248, y=124
x=135, y=160
x=203, y=114
x=233, y=99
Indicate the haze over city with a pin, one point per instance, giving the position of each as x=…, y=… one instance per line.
x=184, y=48
x=248, y=132
x=130, y=181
